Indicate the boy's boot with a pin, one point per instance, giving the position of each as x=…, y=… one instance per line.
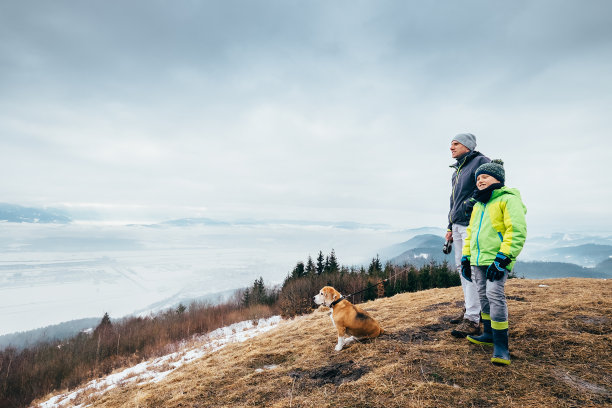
x=501, y=354
x=486, y=338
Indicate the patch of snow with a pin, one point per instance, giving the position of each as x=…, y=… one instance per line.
x=157, y=369
x=424, y=256
x=266, y=368
x=543, y=286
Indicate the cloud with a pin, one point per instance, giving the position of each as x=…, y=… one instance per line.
x=309, y=109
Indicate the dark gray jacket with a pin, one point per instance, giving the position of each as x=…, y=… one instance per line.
x=464, y=186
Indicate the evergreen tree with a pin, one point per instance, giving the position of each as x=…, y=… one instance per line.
x=333, y=266
x=320, y=264
x=310, y=267
x=246, y=298
x=375, y=267
x=259, y=291
x=105, y=325
x=298, y=271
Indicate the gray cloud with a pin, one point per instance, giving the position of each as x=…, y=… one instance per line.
x=309, y=109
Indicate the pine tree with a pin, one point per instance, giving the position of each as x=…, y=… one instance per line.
x=375, y=267
x=333, y=266
x=310, y=267
x=298, y=271
x=105, y=325
x=320, y=264
x=258, y=293
x=246, y=298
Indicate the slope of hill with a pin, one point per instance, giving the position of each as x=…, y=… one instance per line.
x=560, y=341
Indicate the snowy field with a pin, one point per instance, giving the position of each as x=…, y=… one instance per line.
x=55, y=273
x=157, y=369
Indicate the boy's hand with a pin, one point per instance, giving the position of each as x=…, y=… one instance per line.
x=497, y=269
x=466, y=268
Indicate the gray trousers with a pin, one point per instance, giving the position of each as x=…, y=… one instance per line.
x=492, y=296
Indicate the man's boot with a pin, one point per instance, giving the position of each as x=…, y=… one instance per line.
x=501, y=354
x=465, y=328
x=459, y=318
x=486, y=338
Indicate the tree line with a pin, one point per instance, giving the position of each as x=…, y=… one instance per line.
x=54, y=365
x=375, y=281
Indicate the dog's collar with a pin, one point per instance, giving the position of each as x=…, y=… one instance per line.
x=335, y=302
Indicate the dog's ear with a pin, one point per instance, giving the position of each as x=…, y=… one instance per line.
x=334, y=296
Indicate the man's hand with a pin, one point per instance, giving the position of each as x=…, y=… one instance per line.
x=449, y=236
x=466, y=268
x=497, y=269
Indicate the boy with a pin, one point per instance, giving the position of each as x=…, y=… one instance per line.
x=495, y=237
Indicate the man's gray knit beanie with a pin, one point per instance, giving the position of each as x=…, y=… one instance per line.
x=495, y=169
x=466, y=139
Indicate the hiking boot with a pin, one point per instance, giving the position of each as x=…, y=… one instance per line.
x=459, y=318
x=466, y=327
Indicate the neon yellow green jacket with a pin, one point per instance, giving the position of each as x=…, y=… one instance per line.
x=497, y=226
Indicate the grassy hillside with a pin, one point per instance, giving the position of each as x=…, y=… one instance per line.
x=560, y=341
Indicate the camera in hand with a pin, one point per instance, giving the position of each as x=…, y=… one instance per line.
x=448, y=247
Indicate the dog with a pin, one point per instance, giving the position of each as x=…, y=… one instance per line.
x=351, y=321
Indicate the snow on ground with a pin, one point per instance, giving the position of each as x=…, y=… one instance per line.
x=157, y=369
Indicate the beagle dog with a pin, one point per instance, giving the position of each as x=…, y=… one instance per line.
x=351, y=321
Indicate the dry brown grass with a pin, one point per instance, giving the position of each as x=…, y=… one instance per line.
x=560, y=341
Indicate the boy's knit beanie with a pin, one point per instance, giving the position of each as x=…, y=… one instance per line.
x=466, y=139
x=495, y=169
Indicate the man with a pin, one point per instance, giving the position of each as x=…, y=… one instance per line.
x=461, y=203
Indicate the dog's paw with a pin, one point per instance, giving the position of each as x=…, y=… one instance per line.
x=338, y=347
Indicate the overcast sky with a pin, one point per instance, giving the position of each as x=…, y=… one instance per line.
x=310, y=110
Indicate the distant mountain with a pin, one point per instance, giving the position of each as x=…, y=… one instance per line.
x=428, y=241
x=586, y=254
x=186, y=298
x=187, y=222
x=349, y=225
x=417, y=251
x=605, y=266
x=55, y=332
x=547, y=270
x=581, y=249
x=569, y=239
x=582, y=261
x=17, y=213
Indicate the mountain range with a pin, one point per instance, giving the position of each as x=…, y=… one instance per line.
x=586, y=260
x=19, y=214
